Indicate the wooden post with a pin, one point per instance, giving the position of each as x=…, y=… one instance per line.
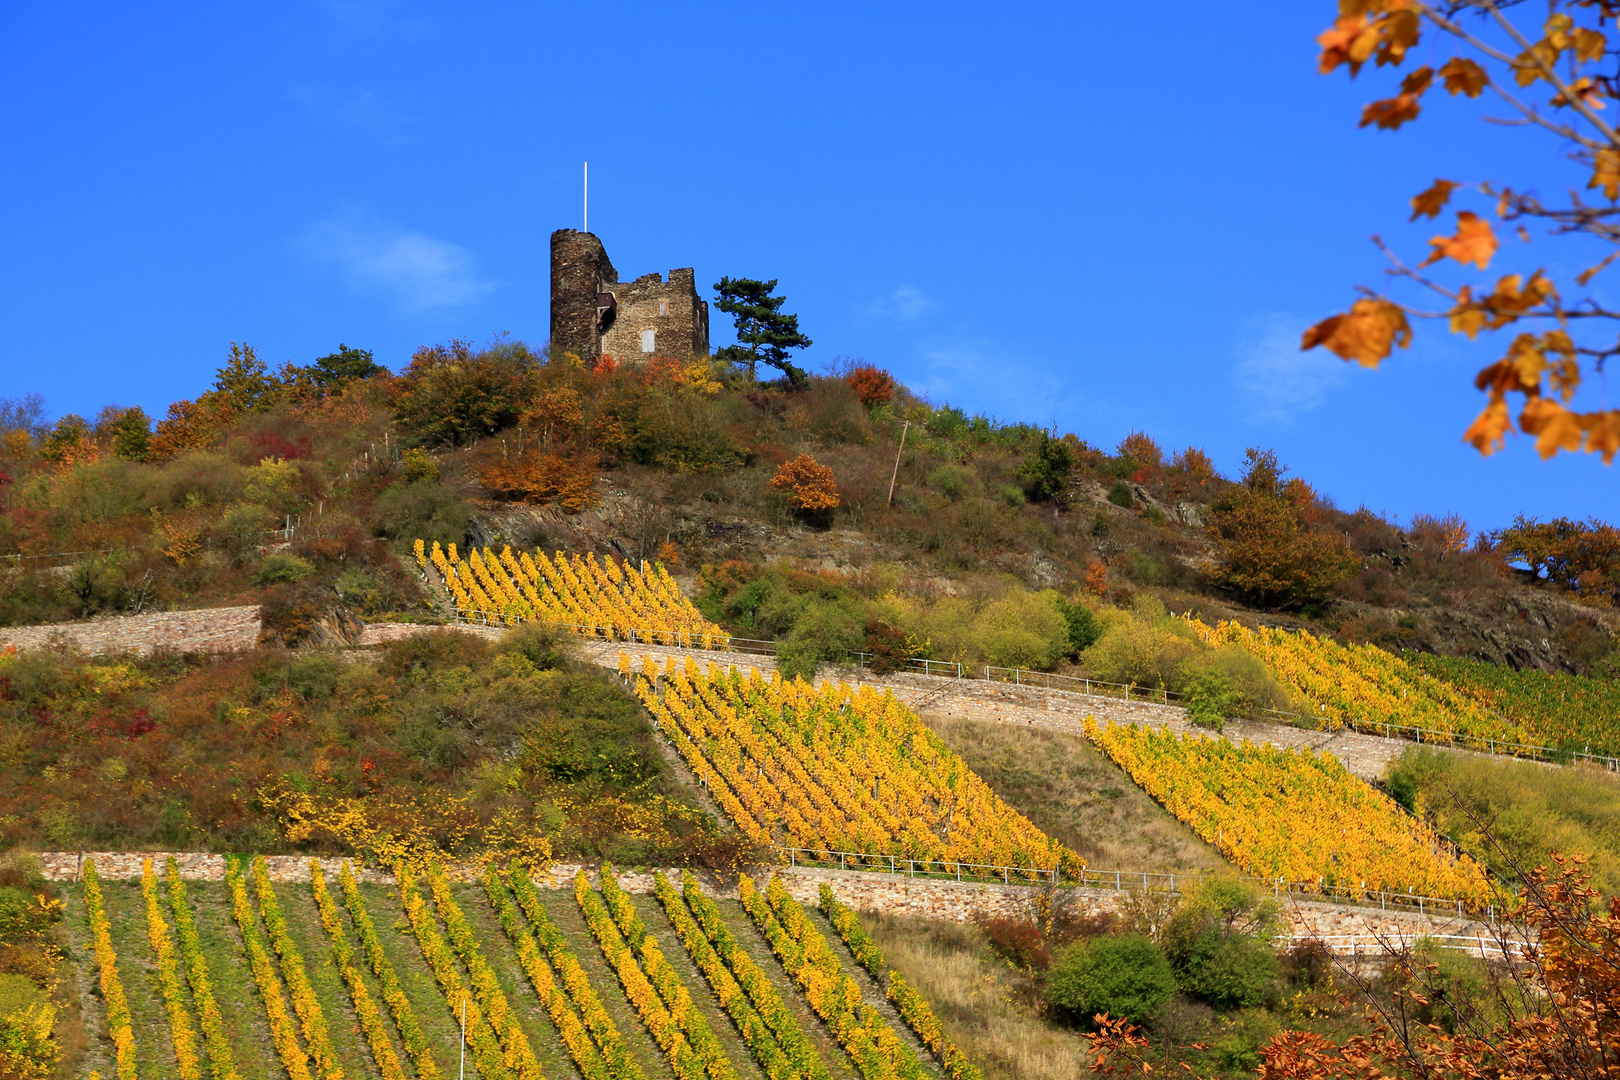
x=896, y=474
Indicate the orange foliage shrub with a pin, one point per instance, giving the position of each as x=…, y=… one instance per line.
x=535, y=477
x=810, y=485
x=872, y=385
x=1140, y=448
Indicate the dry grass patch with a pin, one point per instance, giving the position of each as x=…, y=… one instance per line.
x=993, y=1012
x=1075, y=795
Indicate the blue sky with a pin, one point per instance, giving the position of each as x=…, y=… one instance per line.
x=1103, y=217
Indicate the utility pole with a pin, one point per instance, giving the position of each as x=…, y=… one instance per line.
x=896, y=474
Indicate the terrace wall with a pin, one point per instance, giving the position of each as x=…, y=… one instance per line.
x=206, y=630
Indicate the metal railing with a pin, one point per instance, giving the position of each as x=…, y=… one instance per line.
x=1481, y=945
x=1117, y=880
x=932, y=869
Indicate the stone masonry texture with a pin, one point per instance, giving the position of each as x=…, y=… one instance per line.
x=207, y=630
x=594, y=314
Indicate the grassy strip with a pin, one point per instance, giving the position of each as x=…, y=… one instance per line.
x=870, y=1042
x=399, y=1006
x=666, y=1031
x=848, y=924
x=220, y=1061
x=912, y=1006
x=665, y=979
x=487, y=1054
x=752, y=978
x=112, y=988
x=305, y=1003
x=762, y=1041
x=371, y=1021
x=282, y=1032
x=501, y=1017
x=575, y=1038
x=181, y=1031
x=602, y=1029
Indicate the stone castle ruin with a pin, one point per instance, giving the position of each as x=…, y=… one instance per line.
x=593, y=314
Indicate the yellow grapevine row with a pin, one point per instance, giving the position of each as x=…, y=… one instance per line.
x=911, y=1005
x=753, y=981
x=762, y=1041
x=604, y=1033
x=488, y=1057
x=671, y=990
x=1363, y=685
x=371, y=1021
x=220, y=1060
x=519, y=1055
x=305, y=1004
x=575, y=1038
x=1290, y=814
x=282, y=1033
x=611, y=596
x=410, y=1032
x=871, y=1043
x=685, y=1059
x=836, y=768
x=112, y=987
x=182, y=1033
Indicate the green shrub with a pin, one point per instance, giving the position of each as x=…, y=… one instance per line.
x=1120, y=495
x=425, y=510
x=1242, y=1038
x=826, y=632
x=1012, y=495
x=1024, y=630
x=1083, y=627
x=1232, y=971
x=416, y=464
x=282, y=568
x=1209, y=696
x=1122, y=976
x=953, y=482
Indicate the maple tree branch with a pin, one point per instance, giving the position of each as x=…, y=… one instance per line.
x=1547, y=72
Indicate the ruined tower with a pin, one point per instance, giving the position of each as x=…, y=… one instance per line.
x=593, y=314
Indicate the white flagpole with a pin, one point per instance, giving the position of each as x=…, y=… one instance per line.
x=587, y=197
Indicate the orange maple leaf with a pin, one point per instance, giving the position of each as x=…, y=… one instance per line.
x=1589, y=44
x=1365, y=334
x=1606, y=173
x=1555, y=427
x=1463, y=76
x=1489, y=430
x=1474, y=242
x=1468, y=317
x=1603, y=434
x=1430, y=201
x=1350, y=40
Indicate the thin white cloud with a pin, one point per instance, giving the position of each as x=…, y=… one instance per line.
x=354, y=109
x=904, y=303
x=1278, y=379
x=417, y=272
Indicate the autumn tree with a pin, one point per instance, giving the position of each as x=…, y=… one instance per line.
x=764, y=331
x=872, y=385
x=1271, y=547
x=453, y=395
x=1581, y=556
x=1553, y=79
x=808, y=484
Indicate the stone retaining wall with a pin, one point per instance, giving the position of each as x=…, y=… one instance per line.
x=206, y=630
x=887, y=894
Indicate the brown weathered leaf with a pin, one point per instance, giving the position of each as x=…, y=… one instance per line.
x=1513, y=297
x=1474, y=242
x=1463, y=76
x=1398, y=31
x=1430, y=201
x=1593, y=271
x=1417, y=81
x=1365, y=334
x=1391, y=113
x=1524, y=235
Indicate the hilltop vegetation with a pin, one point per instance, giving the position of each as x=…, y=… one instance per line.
x=506, y=444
